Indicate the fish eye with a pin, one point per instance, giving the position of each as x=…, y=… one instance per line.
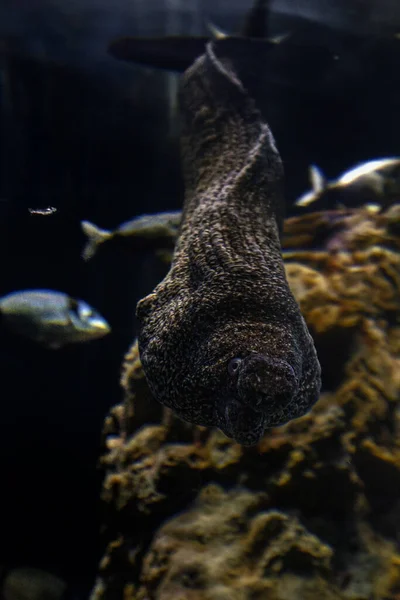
x=80, y=309
x=84, y=311
x=74, y=306
x=234, y=365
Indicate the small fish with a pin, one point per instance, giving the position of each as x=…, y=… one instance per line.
x=48, y=210
x=375, y=181
x=51, y=318
x=154, y=232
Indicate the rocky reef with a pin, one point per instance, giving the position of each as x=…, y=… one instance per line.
x=311, y=512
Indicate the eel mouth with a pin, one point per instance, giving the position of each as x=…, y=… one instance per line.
x=247, y=425
x=241, y=423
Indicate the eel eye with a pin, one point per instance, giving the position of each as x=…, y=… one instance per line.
x=234, y=365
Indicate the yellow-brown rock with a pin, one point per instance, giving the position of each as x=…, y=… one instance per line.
x=312, y=512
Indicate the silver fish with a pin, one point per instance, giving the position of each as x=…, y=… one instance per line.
x=26, y=583
x=155, y=232
x=48, y=210
x=373, y=181
x=51, y=318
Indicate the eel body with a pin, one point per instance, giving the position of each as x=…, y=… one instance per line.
x=221, y=339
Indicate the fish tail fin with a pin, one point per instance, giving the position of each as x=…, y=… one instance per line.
x=216, y=32
x=318, y=185
x=317, y=179
x=96, y=236
x=306, y=199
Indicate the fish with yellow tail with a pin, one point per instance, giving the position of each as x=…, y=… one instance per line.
x=52, y=319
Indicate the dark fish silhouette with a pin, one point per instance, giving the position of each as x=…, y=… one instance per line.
x=222, y=340
x=154, y=232
x=172, y=52
x=177, y=53
x=285, y=59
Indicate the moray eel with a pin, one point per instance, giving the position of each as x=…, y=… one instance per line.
x=221, y=338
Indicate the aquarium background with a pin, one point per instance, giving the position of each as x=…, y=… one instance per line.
x=97, y=139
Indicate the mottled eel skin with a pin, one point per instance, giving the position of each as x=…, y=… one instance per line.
x=222, y=340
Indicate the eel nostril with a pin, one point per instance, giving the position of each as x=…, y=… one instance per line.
x=233, y=366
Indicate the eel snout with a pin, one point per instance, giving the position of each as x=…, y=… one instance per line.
x=265, y=384
x=265, y=388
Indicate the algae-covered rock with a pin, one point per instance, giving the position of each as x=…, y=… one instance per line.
x=246, y=548
x=313, y=511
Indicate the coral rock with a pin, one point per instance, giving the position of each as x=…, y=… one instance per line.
x=312, y=512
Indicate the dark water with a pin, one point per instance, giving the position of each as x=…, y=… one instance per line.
x=95, y=138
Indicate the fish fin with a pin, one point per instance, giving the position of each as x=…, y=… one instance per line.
x=258, y=20
x=318, y=185
x=278, y=39
x=317, y=179
x=306, y=199
x=220, y=34
x=96, y=236
x=216, y=32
